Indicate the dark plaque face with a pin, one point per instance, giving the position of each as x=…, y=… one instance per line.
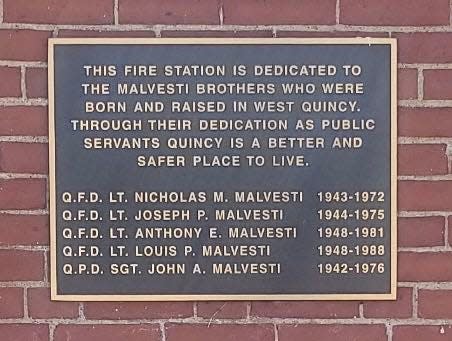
x=223, y=169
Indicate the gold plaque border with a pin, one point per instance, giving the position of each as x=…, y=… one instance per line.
x=218, y=41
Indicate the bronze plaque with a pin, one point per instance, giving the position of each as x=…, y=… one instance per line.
x=223, y=169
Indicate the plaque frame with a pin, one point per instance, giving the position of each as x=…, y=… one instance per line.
x=392, y=42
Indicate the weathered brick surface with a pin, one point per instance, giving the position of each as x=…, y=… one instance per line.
x=425, y=266
x=438, y=84
x=16, y=265
x=18, y=157
x=217, y=34
x=222, y=310
x=425, y=195
x=400, y=308
x=422, y=159
x=23, y=194
x=258, y=12
x=425, y=122
x=424, y=47
x=40, y=306
x=407, y=83
x=10, y=82
x=421, y=333
x=168, y=12
x=24, y=332
x=395, y=13
x=27, y=45
x=306, y=309
x=420, y=231
x=11, y=302
x=96, y=332
x=58, y=12
x=219, y=332
x=18, y=229
x=137, y=310
x=435, y=304
x=23, y=120
x=106, y=34
x=36, y=82
x=332, y=332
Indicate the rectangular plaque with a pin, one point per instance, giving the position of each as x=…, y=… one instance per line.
x=223, y=169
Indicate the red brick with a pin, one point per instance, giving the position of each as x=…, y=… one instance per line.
x=401, y=308
x=23, y=120
x=422, y=159
x=11, y=302
x=23, y=194
x=10, y=82
x=219, y=34
x=425, y=266
x=407, y=84
x=259, y=12
x=424, y=47
x=420, y=231
x=36, y=82
x=24, y=229
x=136, y=310
x=305, y=309
x=24, y=332
x=435, y=304
x=332, y=332
x=24, y=45
x=18, y=157
x=425, y=195
x=335, y=34
x=40, y=306
x=422, y=333
x=425, y=122
x=20, y=265
x=223, y=310
x=58, y=12
x=168, y=12
x=219, y=332
x=108, y=34
x=137, y=332
x=396, y=13
x=437, y=84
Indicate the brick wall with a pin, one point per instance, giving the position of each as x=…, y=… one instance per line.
x=423, y=310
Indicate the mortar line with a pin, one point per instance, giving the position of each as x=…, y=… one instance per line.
x=195, y=309
x=227, y=27
x=116, y=12
x=338, y=12
x=162, y=330
x=26, y=314
x=7, y=102
x=14, y=63
x=425, y=140
x=24, y=139
x=415, y=103
x=450, y=12
x=248, y=310
x=420, y=83
x=446, y=232
x=361, y=309
x=46, y=270
x=25, y=212
x=257, y=321
x=23, y=86
x=52, y=328
x=415, y=301
x=389, y=331
x=275, y=330
x=447, y=177
x=81, y=312
x=220, y=13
